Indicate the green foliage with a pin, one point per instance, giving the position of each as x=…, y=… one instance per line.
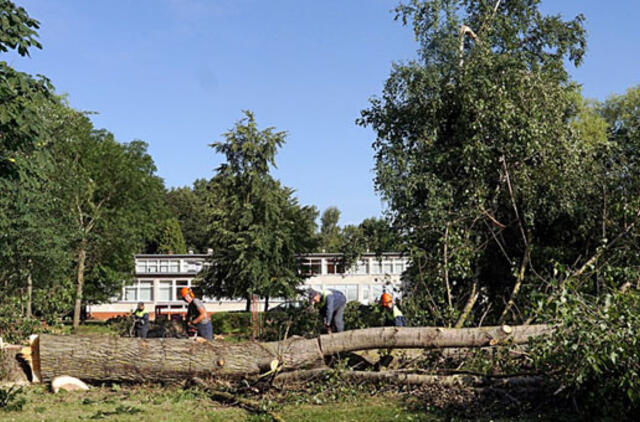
x=351, y=241
x=593, y=353
x=257, y=228
x=113, y=199
x=21, y=95
x=171, y=239
x=188, y=205
x=14, y=328
x=494, y=168
x=304, y=322
x=119, y=410
x=11, y=399
x=329, y=230
x=358, y=316
x=232, y=323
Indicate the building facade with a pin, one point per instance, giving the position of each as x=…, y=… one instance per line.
x=159, y=278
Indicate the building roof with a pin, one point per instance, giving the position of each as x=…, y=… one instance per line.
x=165, y=256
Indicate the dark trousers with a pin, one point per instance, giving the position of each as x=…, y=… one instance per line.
x=141, y=331
x=338, y=319
x=205, y=330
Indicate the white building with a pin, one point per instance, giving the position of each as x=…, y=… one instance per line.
x=159, y=279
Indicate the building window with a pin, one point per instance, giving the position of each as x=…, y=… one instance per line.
x=352, y=292
x=131, y=293
x=387, y=267
x=141, y=267
x=376, y=292
x=164, y=266
x=174, y=266
x=193, y=266
x=164, y=291
x=365, y=294
x=138, y=291
x=361, y=267
x=400, y=266
x=145, y=292
x=334, y=266
x=312, y=266
x=376, y=267
x=152, y=266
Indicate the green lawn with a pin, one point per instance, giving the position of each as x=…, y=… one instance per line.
x=174, y=404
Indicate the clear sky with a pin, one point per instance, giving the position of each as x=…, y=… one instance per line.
x=177, y=73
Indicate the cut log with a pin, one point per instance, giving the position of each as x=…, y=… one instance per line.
x=12, y=368
x=111, y=358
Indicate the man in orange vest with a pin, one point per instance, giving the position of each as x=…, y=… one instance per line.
x=393, y=315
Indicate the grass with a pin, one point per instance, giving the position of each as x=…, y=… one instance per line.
x=156, y=403
x=164, y=404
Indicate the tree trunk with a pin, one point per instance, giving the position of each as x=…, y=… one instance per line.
x=111, y=358
x=473, y=296
x=29, y=294
x=516, y=287
x=82, y=257
x=266, y=303
x=12, y=369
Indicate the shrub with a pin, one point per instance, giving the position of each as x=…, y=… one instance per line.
x=11, y=399
x=303, y=322
x=231, y=323
x=357, y=316
x=594, y=351
x=14, y=328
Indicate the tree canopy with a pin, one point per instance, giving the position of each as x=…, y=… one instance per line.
x=480, y=157
x=257, y=228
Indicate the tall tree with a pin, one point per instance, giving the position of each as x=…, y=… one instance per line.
x=170, y=238
x=21, y=95
x=257, y=227
x=114, y=199
x=330, y=230
x=32, y=230
x=188, y=205
x=476, y=155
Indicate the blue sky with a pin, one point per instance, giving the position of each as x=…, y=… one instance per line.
x=177, y=73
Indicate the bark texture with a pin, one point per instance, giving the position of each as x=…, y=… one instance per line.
x=82, y=257
x=12, y=369
x=111, y=358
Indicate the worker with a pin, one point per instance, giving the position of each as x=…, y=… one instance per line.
x=331, y=303
x=197, y=314
x=141, y=321
x=393, y=315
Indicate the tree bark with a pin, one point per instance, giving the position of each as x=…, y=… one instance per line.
x=473, y=296
x=29, y=294
x=516, y=287
x=111, y=358
x=82, y=257
x=445, y=256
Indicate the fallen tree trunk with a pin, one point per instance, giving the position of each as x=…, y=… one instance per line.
x=111, y=358
x=403, y=378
